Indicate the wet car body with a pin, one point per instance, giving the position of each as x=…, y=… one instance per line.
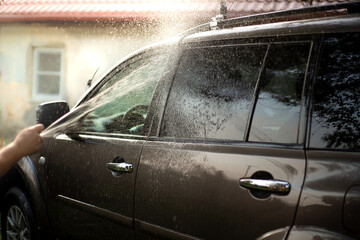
x=234, y=142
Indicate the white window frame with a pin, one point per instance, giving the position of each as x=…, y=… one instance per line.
x=35, y=91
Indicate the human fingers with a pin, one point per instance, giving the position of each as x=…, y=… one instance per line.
x=38, y=128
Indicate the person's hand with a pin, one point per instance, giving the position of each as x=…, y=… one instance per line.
x=28, y=141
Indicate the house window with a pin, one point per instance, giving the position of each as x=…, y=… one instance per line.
x=47, y=74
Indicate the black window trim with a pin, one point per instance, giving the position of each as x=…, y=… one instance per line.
x=255, y=97
x=299, y=141
x=310, y=105
x=84, y=135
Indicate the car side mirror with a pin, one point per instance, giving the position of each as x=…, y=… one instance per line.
x=49, y=112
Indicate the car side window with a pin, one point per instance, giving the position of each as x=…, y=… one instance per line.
x=277, y=111
x=335, y=122
x=131, y=66
x=122, y=103
x=212, y=92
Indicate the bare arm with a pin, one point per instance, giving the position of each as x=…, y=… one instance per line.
x=27, y=142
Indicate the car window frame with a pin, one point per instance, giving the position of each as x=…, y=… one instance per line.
x=313, y=39
x=80, y=107
x=312, y=89
x=206, y=45
x=93, y=91
x=299, y=140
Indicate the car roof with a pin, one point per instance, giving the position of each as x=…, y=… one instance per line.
x=349, y=23
x=313, y=20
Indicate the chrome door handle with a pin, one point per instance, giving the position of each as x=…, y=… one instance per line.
x=120, y=167
x=268, y=185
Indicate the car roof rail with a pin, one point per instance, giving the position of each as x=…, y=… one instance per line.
x=291, y=15
x=280, y=16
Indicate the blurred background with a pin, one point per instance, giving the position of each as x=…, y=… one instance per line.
x=49, y=49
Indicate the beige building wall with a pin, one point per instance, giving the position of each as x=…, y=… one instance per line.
x=86, y=47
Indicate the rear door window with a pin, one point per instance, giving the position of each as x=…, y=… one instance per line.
x=335, y=122
x=278, y=107
x=212, y=92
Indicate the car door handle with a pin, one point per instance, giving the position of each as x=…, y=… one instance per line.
x=120, y=167
x=268, y=185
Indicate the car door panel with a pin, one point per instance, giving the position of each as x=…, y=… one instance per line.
x=95, y=152
x=330, y=198
x=191, y=190
x=90, y=196
x=191, y=175
x=324, y=200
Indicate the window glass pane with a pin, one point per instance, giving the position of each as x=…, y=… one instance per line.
x=49, y=61
x=212, y=92
x=48, y=84
x=128, y=69
x=336, y=98
x=277, y=109
x=123, y=106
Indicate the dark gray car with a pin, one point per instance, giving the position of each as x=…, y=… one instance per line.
x=247, y=131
